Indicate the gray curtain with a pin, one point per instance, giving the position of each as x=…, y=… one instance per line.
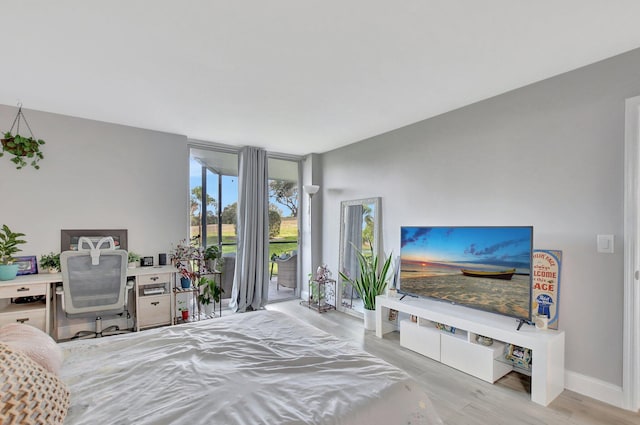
x=251, y=279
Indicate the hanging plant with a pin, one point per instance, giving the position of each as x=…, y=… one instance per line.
x=22, y=148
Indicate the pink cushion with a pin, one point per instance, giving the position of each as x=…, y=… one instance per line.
x=36, y=344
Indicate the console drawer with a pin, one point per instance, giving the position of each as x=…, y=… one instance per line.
x=474, y=359
x=35, y=316
x=421, y=339
x=148, y=279
x=154, y=311
x=17, y=290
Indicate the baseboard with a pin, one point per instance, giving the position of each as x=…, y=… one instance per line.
x=594, y=388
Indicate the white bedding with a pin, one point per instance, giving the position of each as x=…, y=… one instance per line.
x=255, y=368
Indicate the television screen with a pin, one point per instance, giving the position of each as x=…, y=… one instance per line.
x=487, y=268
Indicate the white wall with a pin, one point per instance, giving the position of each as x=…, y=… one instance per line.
x=548, y=155
x=97, y=175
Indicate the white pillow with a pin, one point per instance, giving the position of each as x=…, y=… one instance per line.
x=36, y=344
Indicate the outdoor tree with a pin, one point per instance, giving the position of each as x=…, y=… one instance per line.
x=274, y=223
x=229, y=214
x=196, y=198
x=285, y=193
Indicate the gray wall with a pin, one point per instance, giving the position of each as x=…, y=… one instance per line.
x=97, y=175
x=548, y=155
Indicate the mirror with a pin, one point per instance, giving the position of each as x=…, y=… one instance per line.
x=359, y=229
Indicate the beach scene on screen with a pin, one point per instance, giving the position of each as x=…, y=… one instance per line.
x=486, y=268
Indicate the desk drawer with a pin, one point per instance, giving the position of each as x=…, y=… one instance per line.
x=153, y=278
x=154, y=311
x=17, y=290
x=34, y=317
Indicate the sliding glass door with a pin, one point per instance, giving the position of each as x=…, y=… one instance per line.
x=284, y=198
x=213, y=187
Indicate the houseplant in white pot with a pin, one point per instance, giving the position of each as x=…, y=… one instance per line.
x=370, y=282
x=212, y=256
x=210, y=294
x=132, y=260
x=9, y=242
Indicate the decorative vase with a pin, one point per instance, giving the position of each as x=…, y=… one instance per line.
x=52, y=270
x=369, y=320
x=185, y=315
x=132, y=265
x=185, y=282
x=8, y=271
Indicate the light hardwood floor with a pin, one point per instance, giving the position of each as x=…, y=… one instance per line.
x=461, y=399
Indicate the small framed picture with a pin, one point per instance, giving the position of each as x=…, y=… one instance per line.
x=27, y=265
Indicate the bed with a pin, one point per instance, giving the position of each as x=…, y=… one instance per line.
x=262, y=367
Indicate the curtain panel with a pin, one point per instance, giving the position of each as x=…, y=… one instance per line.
x=251, y=279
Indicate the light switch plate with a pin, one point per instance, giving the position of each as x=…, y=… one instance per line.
x=605, y=244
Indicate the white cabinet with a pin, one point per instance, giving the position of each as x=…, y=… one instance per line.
x=32, y=313
x=475, y=359
x=153, y=299
x=460, y=350
x=457, y=350
x=422, y=339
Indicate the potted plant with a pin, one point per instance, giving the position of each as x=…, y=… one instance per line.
x=132, y=259
x=183, y=309
x=212, y=255
x=317, y=297
x=9, y=242
x=370, y=282
x=210, y=293
x=22, y=147
x=187, y=258
x=51, y=262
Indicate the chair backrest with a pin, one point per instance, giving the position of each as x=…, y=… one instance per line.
x=94, y=279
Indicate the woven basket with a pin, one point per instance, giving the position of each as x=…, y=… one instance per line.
x=29, y=394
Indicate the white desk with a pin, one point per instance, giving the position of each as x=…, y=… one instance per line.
x=43, y=314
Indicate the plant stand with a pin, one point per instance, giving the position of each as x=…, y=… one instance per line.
x=192, y=295
x=326, y=296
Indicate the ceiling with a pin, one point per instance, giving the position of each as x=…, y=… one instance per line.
x=293, y=76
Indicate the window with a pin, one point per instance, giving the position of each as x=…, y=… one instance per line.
x=213, y=187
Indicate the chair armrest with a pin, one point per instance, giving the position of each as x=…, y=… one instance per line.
x=128, y=287
x=60, y=291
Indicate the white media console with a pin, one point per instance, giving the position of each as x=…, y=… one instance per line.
x=461, y=351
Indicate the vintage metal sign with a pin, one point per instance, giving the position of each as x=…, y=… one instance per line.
x=546, y=285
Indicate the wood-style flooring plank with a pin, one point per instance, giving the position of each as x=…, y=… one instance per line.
x=461, y=399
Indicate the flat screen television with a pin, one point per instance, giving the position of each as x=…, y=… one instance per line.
x=486, y=268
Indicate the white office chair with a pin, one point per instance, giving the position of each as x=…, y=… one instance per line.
x=94, y=283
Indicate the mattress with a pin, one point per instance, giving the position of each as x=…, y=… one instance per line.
x=263, y=367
